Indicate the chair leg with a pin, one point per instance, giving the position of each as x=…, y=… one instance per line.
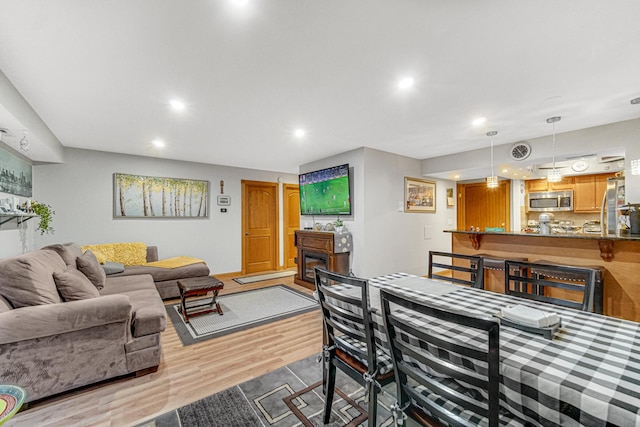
x=373, y=404
x=329, y=387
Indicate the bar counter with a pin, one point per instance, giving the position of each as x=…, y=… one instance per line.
x=619, y=255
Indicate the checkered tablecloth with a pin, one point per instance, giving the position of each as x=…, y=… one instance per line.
x=589, y=374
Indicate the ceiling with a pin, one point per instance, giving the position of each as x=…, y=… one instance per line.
x=100, y=74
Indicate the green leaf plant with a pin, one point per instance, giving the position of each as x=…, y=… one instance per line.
x=45, y=212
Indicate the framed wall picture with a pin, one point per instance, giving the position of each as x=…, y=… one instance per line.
x=138, y=196
x=419, y=195
x=451, y=201
x=15, y=175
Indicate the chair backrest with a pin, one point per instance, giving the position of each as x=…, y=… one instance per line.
x=470, y=266
x=447, y=363
x=562, y=285
x=345, y=309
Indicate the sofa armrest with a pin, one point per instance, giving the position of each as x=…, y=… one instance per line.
x=152, y=253
x=50, y=319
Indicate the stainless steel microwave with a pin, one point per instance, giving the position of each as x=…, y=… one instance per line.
x=550, y=201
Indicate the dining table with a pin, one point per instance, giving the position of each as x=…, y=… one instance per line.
x=586, y=374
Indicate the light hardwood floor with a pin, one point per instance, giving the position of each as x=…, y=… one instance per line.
x=186, y=374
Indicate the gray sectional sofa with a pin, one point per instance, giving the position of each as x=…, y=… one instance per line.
x=64, y=324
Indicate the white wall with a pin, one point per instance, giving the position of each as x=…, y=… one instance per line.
x=385, y=239
x=396, y=240
x=81, y=192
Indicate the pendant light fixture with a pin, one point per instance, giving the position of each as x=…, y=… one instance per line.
x=24, y=142
x=554, y=174
x=492, y=181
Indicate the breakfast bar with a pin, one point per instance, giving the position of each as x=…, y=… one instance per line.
x=619, y=255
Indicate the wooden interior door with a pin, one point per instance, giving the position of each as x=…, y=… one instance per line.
x=482, y=207
x=291, y=220
x=260, y=242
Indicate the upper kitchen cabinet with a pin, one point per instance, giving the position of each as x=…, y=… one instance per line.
x=567, y=183
x=588, y=192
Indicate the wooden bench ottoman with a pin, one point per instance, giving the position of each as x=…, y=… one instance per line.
x=198, y=287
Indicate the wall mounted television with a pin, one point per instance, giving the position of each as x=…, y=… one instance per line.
x=325, y=191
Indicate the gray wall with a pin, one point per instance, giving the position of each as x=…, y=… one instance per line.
x=81, y=192
x=385, y=238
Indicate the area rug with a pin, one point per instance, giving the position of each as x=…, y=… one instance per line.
x=262, y=402
x=241, y=310
x=262, y=277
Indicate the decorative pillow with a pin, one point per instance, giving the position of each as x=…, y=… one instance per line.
x=27, y=279
x=73, y=285
x=67, y=251
x=112, y=267
x=90, y=267
x=103, y=252
x=131, y=253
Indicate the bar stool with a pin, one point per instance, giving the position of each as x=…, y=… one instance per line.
x=495, y=281
x=598, y=285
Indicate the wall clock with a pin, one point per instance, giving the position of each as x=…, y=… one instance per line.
x=520, y=151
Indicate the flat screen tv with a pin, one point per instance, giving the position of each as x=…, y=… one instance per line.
x=325, y=192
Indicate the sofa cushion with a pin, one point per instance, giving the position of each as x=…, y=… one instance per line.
x=148, y=312
x=73, y=285
x=112, y=267
x=67, y=251
x=4, y=305
x=162, y=274
x=27, y=279
x=90, y=267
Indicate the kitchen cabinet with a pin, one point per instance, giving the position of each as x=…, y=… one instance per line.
x=588, y=192
x=567, y=183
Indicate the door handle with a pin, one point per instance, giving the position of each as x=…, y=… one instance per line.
x=246, y=233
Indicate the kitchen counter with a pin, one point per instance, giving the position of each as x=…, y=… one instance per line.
x=592, y=236
x=619, y=255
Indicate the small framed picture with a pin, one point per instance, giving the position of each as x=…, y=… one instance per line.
x=419, y=195
x=224, y=200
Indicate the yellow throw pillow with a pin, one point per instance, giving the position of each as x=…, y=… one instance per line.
x=130, y=253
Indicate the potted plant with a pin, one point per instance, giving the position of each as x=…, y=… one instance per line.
x=45, y=212
x=339, y=225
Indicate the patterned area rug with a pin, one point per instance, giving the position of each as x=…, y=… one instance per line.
x=262, y=402
x=242, y=310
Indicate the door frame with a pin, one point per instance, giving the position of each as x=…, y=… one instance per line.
x=285, y=222
x=275, y=227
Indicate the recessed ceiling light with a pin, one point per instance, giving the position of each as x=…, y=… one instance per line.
x=479, y=121
x=406, y=83
x=158, y=143
x=177, y=105
x=240, y=3
x=299, y=133
x=456, y=176
x=505, y=170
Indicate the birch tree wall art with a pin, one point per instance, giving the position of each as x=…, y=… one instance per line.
x=137, y=196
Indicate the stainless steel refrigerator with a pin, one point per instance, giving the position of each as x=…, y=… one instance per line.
x=613, y=211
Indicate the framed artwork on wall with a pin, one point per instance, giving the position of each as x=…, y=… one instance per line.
x=419, y=195
x=138, y=196
x=15, y=175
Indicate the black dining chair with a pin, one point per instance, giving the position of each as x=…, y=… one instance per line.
x=471, y=267
x=567, y=286
x=349, y=339
x=447, y=364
